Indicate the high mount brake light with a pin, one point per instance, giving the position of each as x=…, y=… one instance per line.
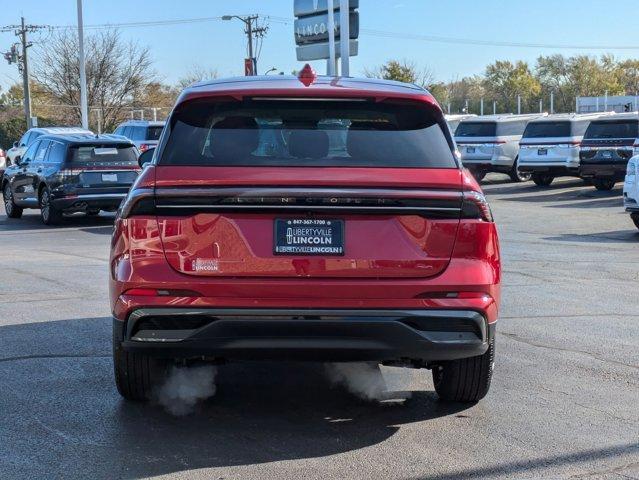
x=475, y=205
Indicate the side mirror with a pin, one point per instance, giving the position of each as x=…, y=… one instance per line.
x=146, y=157
x=15, y=144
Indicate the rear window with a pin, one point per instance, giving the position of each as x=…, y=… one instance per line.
x=618, y=129
x=306, y=134
x=102, y=153
x=547, y=129
x=153, y=133
x=476, y=129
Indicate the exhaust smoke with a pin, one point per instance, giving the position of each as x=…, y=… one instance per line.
x=185, y=387
x=366, y=380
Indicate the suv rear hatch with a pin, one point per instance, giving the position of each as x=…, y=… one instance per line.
x=291, y=187
x=103, y=165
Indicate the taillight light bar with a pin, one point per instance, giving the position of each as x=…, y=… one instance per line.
x=160, y=292
x=475, y=205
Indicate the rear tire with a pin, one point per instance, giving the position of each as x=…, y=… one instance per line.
x=136, y=375
x=467, y=379
x=48, y=213
x=478, y=174
x=635, y=219
x=542, y=180
x=517, y=176
x=604, y=184
x=11, y=209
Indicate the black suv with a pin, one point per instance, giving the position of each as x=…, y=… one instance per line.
x=70, y=173
x=606, y=148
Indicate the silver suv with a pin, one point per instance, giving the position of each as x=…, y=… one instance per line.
x=491, y=144
x=550, y=146
x=144, y=134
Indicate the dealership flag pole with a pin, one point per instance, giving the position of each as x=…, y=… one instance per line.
x=331, y=40
x=84, y=110
x=344, y=36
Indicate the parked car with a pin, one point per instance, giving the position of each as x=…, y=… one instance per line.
x=550, y=146
x=144, y=134
x=379, y=249
x=17, y=150
x=490, y=143
x=455, y=119
x=606, y=148
x=69, y=173
x=3, y=162
x=631, y=189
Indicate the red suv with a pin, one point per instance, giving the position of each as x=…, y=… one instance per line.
x=310, y=218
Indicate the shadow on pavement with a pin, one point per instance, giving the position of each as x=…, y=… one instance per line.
x=619, y=236
x=528, y=467
x=62, y=416
x=33, y=222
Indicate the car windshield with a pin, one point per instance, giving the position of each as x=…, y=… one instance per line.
x=306, y=134
x=153, y=133
x=102, y=153
x=617, y=129
x=547, y=130
x=476, y=129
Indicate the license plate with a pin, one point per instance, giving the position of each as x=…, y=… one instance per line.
x=109, y=177
x=606, y=154
x=308, y=236
x=542, y=151
x=470, y=149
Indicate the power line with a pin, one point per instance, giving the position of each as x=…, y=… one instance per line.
x=370, y=32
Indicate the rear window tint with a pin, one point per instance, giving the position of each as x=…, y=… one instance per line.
x=547, y=130
x=617, y=129
x=153, y=133
x=306, y=134
x=476, y=129
x=102, y=153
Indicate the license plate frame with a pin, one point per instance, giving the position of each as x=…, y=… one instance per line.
x=110, y=177
x=308, y=237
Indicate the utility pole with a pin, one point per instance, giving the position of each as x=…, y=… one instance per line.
x=84, y=108
x=22, y=60
x=252, y=30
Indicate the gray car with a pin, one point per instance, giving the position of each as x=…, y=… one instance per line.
x=144, y=134
x=490, y=143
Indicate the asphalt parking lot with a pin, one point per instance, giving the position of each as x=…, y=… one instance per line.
x=564, y=401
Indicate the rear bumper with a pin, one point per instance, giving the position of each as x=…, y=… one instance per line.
x=554, y=170
x=306, y=334
x=105, y=201
x=601, y=169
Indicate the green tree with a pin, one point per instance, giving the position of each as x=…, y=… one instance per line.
x=401, y=71
x=505, y=80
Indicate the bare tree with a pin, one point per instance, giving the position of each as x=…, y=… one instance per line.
x=196, y=73
x=117, y=71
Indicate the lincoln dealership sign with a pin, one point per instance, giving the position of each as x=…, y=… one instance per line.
x=312, y=31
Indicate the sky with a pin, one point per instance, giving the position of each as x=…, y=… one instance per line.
x=221, y=45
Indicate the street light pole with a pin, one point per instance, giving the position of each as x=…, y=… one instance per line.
x=344, y=36
x=84, y=109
